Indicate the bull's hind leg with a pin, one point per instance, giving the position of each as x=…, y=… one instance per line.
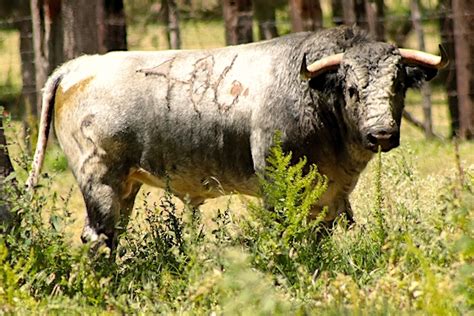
x=109, y=200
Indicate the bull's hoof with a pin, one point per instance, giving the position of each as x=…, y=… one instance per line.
x=89, y=235
x=346, y=219
x=349, y=219
x=99, y=243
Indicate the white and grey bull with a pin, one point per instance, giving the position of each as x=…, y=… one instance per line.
x=201, y=120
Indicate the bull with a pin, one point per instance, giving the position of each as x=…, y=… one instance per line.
x=203, y=120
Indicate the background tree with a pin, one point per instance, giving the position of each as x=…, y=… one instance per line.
x=112, y=33
x=80, y=27
x=368, y=14
x=425, y=88
x=47, y=41
x=306, y=15
x=19, y=13
x=238, y=17
x=264, y=12
x=171, y=19
x=448, y=75
x=337, y=12
x=28, y=88
x=375, y=18
x=93, y=26
x=463, y=19
x=5, y=169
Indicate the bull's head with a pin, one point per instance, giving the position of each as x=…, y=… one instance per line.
x=374, y=78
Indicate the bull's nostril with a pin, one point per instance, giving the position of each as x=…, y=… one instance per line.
x=372, y=139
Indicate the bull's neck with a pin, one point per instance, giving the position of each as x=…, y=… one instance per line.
x=330, y=141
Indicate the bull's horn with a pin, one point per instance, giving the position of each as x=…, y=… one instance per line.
x=320, y=66
x=419, y=58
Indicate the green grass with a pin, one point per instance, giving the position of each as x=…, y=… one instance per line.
x=409, y=253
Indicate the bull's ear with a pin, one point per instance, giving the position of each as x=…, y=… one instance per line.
x=327, y=80
x=422, y=66
x=416, y=75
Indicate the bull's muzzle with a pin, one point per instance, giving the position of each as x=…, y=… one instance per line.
x=385, y=138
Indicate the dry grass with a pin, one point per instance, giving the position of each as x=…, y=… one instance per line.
x=9, y=58
x=195, y=35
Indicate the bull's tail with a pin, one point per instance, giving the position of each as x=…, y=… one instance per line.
x=49, y=92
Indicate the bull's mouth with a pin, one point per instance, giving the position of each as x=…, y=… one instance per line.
x=384, y=141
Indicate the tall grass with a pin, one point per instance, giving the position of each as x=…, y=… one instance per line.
x=410, y=252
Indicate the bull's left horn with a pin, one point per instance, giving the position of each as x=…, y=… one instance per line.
x=419, y=58
x=320, y=66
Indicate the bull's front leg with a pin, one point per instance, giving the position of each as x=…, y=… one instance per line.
x=347, y=212
x=109, y=200
x=103, y=210
x=334, y=211
x=341, y=208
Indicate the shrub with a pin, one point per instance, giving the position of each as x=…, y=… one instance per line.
x=279, y=233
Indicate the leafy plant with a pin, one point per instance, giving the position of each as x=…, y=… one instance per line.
x=281, y=235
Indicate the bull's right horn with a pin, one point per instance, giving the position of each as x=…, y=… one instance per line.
x=320, y=66
x=416, y=57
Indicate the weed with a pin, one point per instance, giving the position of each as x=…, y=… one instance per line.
x=280, y=234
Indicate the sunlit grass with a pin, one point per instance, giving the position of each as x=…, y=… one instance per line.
x=194, y=35
x=9, y=58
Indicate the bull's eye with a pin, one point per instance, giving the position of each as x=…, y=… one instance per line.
x=353, y=93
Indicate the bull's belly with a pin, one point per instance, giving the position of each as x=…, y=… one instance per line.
x=194, y=186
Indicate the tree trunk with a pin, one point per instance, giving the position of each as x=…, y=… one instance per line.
x=56, y=41
x=81, y=35
x=170, y=13
x=264, y=11
x=367, y=14
x=306, y=15
x=425, y=88
x=5, y=169
x=463, y=13
x=337, y=12
x=375, y=18
x=22, y=16
x=349, y=15
x=360, y=12
x=28, y=89
x=6, y=166
x=41, y=50
x=448, y=75
x=47, y=44
x=238, y=21
x=112, y=26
